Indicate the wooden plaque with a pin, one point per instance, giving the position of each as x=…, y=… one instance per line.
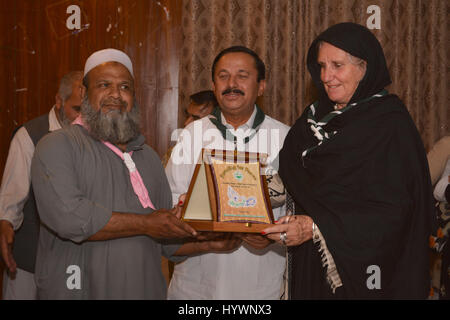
x=228, y=193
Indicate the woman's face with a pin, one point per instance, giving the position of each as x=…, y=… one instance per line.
x=339, y=75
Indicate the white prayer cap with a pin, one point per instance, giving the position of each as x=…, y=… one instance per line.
x=107, y=55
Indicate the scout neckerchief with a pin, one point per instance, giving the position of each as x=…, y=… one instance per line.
x=216, y=118
x=136, y=180
x=317, y=126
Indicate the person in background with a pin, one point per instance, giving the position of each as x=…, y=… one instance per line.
x=19, y=221
x=438, y=158
x=439, y=162
x=200, y=105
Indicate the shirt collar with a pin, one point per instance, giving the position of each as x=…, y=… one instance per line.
x=136, y=144
x=245, y=126
x=53, y=123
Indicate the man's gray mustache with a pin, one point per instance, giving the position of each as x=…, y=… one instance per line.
x=119, y=103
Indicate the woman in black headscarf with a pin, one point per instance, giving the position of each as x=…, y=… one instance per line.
x=357, y=171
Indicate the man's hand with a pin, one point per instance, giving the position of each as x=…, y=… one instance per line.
x=227, y=242
x=6, y=243
x=255, y=240
x=161, y=224
x=166, y=224
x=210, y=235
x=217, y=242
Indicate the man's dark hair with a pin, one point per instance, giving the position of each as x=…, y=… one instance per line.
x=86, y=82
x=259, y=64
x=204, y=97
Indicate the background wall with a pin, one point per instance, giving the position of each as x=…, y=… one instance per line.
x=413, y=33
x=172, y=44
x=37, y=49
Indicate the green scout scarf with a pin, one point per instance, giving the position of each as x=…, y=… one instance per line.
x=216, y=118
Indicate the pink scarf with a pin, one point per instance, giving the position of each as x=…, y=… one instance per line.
x=136, y=180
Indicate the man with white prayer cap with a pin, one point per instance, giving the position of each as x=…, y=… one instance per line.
x=108, y=55
x=101, y=193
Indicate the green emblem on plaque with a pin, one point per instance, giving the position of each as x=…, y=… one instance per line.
x=238, y=175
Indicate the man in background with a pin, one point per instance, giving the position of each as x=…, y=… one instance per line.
x=201, y=104
x=19, y=221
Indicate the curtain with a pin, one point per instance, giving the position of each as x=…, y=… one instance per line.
x=413, y=34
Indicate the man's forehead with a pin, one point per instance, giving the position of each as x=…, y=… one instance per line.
x=237, y=60
x=110, y=69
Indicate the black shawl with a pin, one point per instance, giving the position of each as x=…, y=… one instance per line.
x=368, y=188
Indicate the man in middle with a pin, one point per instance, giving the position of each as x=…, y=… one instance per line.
x=254, y=270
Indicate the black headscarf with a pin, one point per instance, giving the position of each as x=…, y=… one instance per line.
x=367, y=188
x=359, y=42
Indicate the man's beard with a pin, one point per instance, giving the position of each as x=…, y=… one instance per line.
x=115, y=126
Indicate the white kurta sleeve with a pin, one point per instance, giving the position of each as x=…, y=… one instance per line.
x=16, y=179
x=181, y=165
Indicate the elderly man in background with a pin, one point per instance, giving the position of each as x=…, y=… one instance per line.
x=101, y=192
x=17, y=204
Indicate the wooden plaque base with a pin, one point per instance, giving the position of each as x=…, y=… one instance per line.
x=228, y=226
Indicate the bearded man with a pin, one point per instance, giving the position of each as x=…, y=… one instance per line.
x=100, y=191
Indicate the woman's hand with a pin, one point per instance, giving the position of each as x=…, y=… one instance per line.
x=298, y=229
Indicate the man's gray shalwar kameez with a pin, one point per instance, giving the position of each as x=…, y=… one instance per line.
x=78, y=182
